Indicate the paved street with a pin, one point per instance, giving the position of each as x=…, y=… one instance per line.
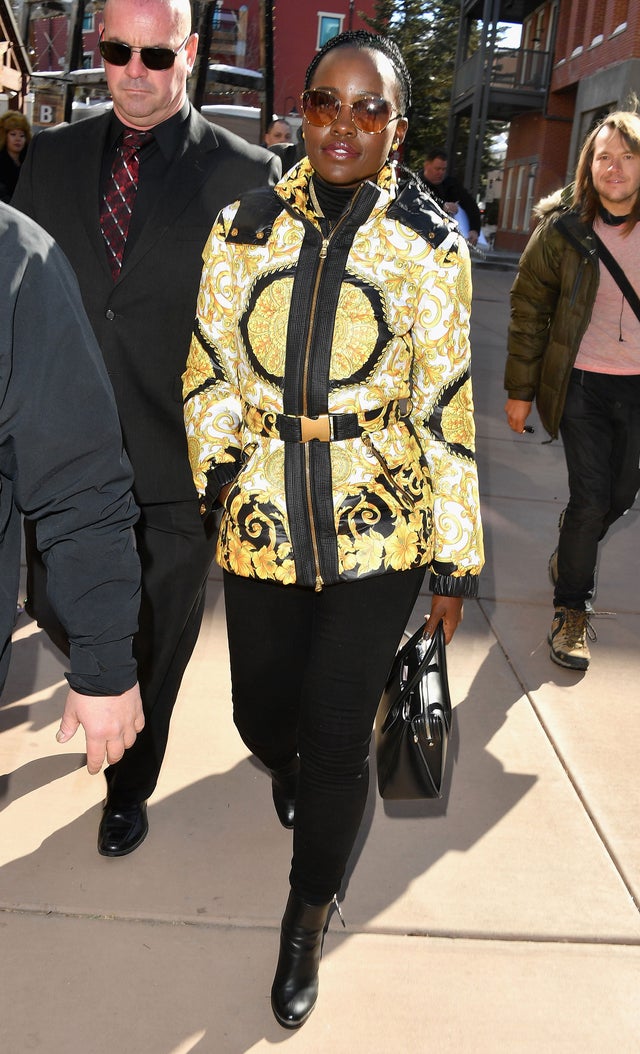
x=501, y=920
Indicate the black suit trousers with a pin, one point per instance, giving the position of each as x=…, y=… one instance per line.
x=176, y=550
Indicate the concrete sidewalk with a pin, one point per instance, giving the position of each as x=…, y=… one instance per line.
x=502, y=919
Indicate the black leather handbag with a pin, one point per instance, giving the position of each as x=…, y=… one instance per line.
x=413, y=721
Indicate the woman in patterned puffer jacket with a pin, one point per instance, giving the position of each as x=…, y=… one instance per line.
x=328, y=408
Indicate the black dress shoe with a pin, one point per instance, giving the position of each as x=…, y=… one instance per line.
x=284, y=787
x=122, y=828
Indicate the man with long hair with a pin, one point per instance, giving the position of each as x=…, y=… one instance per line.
x=574, y=345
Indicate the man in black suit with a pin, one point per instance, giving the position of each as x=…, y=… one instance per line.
x=143, y=320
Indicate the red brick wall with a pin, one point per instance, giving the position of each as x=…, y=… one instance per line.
x=295, y=39
x=576, y=30
x=543, y=143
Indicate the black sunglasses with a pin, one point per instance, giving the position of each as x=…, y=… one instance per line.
x=370, y=114
x=117, y=54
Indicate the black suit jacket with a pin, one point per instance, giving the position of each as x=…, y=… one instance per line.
x=143, y=321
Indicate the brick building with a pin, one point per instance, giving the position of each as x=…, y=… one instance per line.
x=577, y=61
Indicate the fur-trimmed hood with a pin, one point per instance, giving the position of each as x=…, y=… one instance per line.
x=560, y=201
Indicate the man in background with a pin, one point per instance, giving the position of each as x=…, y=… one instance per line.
x=452, y=194
x=278, y=131
x=131, y=196
x=574, y=346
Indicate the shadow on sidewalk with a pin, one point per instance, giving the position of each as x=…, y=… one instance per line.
x=216, y=861
x=414, y=835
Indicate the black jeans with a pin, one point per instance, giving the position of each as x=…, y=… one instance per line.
x=307, y=671
x=600, y=430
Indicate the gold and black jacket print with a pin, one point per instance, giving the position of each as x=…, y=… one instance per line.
x=328, y=382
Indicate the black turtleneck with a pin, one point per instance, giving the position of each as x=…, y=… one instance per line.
x=332, y=198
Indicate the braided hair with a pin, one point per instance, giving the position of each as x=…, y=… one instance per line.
x=359, y=38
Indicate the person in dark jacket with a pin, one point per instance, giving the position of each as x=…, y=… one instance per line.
x=574, y=346
x=15, y=136
x=142, y=318
x=451, y=193
x=73, y=480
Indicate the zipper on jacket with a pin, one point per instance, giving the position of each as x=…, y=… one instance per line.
x=322, y=256
x=402, y=494
x=578, y=280
x=305, y=406
x=312, y=525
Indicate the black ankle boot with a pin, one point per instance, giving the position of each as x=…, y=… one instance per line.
x=284, y=787
x=295, y=986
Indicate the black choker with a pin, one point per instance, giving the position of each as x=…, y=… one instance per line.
x=611, y=220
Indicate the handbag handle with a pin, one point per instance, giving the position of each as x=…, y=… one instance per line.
x=436, y=646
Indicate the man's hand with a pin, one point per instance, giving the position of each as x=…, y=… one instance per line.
x=517, y=411
x=111, y=724
x=447, y=610
x=451, y=207
x=472, y=237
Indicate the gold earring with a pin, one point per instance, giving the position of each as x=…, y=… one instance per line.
x=395, y=145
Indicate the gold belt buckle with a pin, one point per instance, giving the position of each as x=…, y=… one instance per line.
x=315, y=428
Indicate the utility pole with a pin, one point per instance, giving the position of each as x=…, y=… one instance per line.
x=73, y=59
x=266, y=59
x=205, y=26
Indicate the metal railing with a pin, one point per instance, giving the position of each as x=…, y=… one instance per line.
x=516, y=69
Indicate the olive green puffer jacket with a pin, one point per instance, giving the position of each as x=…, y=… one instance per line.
x=551, y=303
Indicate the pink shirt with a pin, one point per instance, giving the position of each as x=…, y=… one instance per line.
x=602, y=350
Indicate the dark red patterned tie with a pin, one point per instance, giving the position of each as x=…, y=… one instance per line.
x=120, y=194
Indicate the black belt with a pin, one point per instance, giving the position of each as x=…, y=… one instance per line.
x=327, y=428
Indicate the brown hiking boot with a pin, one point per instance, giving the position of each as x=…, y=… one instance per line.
x=568, y=638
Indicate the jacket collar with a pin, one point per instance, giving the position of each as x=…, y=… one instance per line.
x=293, y=188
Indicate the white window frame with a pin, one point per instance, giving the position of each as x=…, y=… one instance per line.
x=322, y=15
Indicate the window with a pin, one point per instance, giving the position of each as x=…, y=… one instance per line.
x=508, y=202
x=88, y=22
x=528, y=208
x=538, y=38
x=516, y=222
x=328, y=26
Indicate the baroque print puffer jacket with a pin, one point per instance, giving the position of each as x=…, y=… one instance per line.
x=328, y=382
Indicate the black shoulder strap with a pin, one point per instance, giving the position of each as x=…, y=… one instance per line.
x=619, y=276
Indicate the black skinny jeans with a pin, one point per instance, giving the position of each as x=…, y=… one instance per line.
x=600, y=430
x=307, y=671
